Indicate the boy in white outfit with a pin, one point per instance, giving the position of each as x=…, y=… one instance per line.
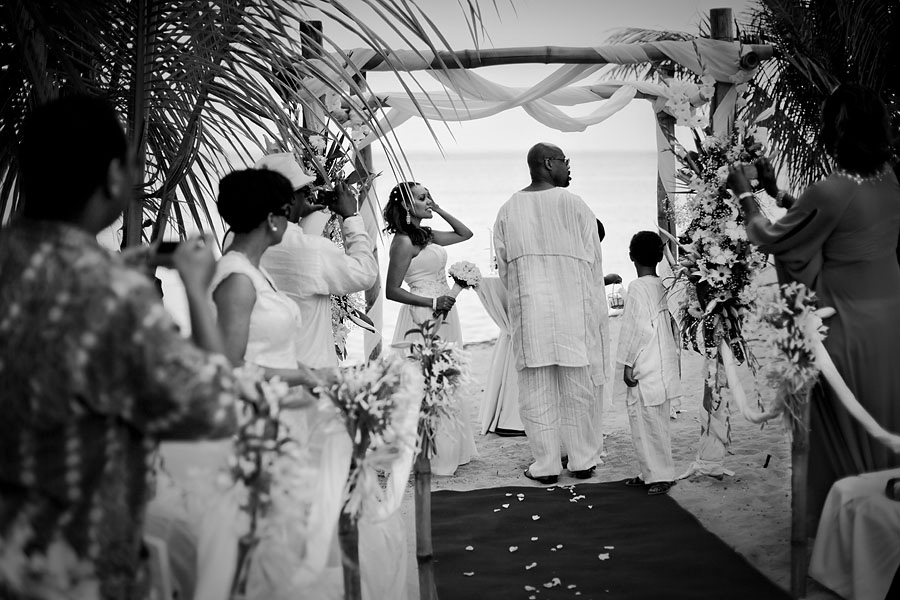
x=648, y=349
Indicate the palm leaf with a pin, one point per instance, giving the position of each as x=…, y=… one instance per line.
x=818, y=46
x=200, y=86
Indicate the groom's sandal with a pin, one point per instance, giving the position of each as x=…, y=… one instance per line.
x=584, y=473
x=545, y=480
x=660, y=487
x=635, y=482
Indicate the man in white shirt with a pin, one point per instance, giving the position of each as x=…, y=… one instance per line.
x=310, y=268
x=548, y=257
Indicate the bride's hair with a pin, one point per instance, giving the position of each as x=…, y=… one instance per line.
x=396, y=215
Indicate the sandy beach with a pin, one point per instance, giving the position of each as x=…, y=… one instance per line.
x=749, y=511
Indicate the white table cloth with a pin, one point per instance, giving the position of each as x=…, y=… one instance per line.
x=857, y=547
x=500, y=404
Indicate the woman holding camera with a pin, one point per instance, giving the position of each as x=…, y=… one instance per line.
x=258, y=321
x=839, y=238
x=417, y=256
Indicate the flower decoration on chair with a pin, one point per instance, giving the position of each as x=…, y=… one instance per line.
x=444, y=367
x=789, y=324
x=267, y=466
x=716, y=259
x=374, y=401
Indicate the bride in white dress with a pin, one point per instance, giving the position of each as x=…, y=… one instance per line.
x=259, y=324
x=417, y=257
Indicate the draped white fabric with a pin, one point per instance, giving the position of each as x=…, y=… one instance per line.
x=500, y=403
x=469, y=96
x=857, y=548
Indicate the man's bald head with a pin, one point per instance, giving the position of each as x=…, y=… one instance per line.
x=548, y=165
x=541, y=151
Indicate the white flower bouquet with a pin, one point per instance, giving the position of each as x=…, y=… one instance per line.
x=465, y=275
x=373, y=400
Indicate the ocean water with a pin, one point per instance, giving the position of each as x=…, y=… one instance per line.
x=620, y=187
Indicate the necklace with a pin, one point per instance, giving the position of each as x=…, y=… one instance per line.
x=860, y=179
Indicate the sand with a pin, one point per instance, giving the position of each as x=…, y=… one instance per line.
x=749, y=511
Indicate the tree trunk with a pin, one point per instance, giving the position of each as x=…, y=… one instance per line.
x=799, y=462
x=348, y=534
x=424, y=547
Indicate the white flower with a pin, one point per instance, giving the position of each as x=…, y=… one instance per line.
x=317, y=142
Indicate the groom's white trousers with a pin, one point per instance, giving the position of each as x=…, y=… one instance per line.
x=560, y=404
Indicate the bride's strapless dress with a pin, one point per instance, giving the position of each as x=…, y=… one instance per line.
x=426, y=276
x=299, y=563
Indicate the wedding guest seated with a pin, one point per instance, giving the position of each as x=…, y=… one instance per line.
x=649, y=354
x=92, y=369
x=839, y=238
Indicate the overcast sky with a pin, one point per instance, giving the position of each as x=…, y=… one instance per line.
x=580, y=23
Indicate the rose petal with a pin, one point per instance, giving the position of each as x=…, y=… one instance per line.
x=513, y=548
x=505, y=505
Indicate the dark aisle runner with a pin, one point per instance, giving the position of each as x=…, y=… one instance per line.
x=589, y=541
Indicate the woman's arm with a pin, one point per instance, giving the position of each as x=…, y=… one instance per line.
x=402, y=253
x=460, y=232
x=234, y=298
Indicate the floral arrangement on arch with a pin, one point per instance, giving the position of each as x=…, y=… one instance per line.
x=716, y=259
x=684, y=97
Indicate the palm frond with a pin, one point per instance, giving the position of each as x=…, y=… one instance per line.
x=819, y=45
x=650, y=71
x=214, y=82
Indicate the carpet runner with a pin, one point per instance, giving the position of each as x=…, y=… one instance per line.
x=588, y=541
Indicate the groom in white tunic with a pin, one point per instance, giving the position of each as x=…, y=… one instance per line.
x=548, y=255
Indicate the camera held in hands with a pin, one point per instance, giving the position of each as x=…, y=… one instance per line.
x=166, y=248
x=327, y=197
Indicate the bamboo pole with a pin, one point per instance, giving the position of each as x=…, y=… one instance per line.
x=424, y=546
x=488, y=57
x=799, y=465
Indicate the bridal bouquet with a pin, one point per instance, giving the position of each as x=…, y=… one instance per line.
x=465, y=275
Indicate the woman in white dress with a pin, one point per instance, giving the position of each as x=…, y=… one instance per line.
x=417, y=257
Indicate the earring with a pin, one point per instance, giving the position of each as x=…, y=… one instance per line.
x=408, y=218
